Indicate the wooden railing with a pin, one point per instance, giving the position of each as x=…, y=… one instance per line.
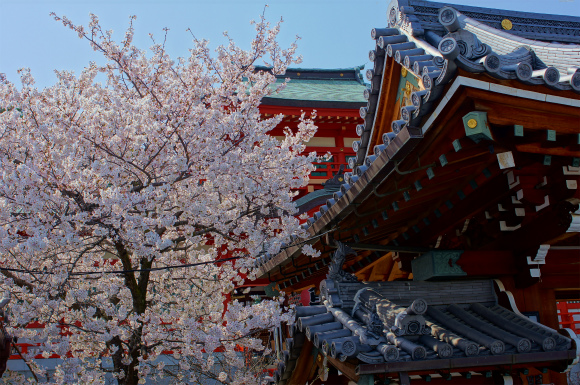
x=326, y=170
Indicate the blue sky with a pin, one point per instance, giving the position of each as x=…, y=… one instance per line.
x=334, y=33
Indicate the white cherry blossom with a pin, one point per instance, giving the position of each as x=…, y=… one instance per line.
x=168, y=162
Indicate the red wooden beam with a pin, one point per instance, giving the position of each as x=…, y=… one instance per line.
x=488, y=263
x=561, y=281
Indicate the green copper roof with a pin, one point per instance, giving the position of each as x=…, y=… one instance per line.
x=312, y=196
x=322, y=90
x=339, y=88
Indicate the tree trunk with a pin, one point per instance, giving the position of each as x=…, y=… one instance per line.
x=138, y=289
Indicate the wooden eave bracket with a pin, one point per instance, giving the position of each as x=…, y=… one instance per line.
x=571, y=170
x=540, y=257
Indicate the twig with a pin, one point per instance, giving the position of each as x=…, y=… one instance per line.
x=25, y=361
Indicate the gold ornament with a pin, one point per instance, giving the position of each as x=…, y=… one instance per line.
x=472, y=123
x=404, y=71
x=506, y=24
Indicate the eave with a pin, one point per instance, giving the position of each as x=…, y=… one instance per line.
x=473, y=159
x=389, y=201
x=354, y=320
x=476, y=363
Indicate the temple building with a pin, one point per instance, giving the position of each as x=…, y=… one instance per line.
x=448, y=246
x=336, y=95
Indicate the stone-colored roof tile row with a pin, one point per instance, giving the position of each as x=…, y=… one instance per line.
x=379, y=328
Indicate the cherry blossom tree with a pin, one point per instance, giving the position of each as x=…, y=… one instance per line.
x=117, y=198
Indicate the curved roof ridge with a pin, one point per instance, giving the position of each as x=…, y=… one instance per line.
x=344, y=69
x=498, y=11
x=473, y=23
x=560, y=55
x=535, y=26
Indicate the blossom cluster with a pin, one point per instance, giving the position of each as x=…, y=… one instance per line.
x=168, y=162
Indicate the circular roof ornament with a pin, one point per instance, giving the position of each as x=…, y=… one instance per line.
x=449, y=48
x=524, y=71
x=472, y=123
x=575, y=81
x=448, y=18
x=552, y=75
x=506, y=24
x=367, y=93
x=403, y=71
x=447, y=45
x=492, y=62
x=447, y=15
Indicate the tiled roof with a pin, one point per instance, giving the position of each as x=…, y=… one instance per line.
x=313, y=199
x=441, y=324
x=322, y=90
x=339, y=86
x=432, y=47
x=431, y=41
x=434, y=56
x=535, y=26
